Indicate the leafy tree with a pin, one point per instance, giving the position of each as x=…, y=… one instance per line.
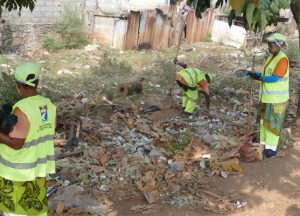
x=256, y=14
x=16, y=5
x=295, y=7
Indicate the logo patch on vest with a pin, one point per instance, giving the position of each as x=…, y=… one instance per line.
x=44, y=113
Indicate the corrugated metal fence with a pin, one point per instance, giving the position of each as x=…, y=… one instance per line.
x=156, y=30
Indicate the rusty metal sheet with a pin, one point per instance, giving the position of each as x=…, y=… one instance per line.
x=164, y=42
x=210, y=20
x=198, y=34
x=190, y=29
x=178, y=25
x=158, y=31
x=153, y=29
x=146, y=30
x=131, y=39
x=119, y=33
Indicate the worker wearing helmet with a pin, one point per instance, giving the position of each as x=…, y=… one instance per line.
x=27, y=152
x=190, y=80
x=274, y=94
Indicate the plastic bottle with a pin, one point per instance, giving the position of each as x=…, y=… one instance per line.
x=172, y=165
x=50, y=191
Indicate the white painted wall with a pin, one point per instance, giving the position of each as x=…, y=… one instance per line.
x=232, y=36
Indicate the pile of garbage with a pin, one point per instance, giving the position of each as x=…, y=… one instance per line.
x=129, y=154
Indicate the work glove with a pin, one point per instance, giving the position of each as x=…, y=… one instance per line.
x=254, y=76
x=181, y=64
x=7, y=120
x=175, y=61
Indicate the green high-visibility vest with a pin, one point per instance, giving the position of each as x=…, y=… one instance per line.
x=37, y=156
x=277, y=92
x=192, y=76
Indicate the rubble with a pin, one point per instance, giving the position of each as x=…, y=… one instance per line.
x=91, y=47
x=66, y=71
x=122, y=151
x=158, y=159
x=73, y=197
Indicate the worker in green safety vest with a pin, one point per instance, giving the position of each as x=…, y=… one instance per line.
x=191, y=80
x=274, y=94
x=27, y=152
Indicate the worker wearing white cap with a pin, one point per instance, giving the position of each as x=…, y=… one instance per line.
x=274, y=94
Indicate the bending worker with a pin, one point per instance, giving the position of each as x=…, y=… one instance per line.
x=189, y=81
x=274, y=94
x=27, y=152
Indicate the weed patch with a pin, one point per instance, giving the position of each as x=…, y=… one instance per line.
x=111, y=66
x=8, y=89
x=292, y=51
x=70, y=33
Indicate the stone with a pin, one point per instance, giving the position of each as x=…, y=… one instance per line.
x=91, y=47
x=65, y=71
x=74, y=198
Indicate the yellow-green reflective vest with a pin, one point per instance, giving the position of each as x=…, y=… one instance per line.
x=37, y=157
x=192, y=76
x=277, y=92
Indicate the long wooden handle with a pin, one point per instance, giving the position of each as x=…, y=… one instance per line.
x=250, y=104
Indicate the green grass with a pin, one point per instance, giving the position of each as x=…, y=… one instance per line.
x=292, y=51
x=180, y=141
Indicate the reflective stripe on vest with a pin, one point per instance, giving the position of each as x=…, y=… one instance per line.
x=38, y=141
x=192, y=76
x=277, y=92
x=27, y=165
x=36, y=158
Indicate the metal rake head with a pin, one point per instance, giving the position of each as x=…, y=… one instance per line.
x=241, y=72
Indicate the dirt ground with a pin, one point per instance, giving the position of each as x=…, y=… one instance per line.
x=271, y=187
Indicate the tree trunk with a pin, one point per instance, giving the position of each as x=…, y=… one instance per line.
x=295, y=7
x=130, y=87
x=298, y=108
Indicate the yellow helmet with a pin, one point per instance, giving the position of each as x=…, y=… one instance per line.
x=277, y=38
x=26, y=69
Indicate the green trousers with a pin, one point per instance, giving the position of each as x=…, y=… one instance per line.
x=189, y=100
x=268, y=138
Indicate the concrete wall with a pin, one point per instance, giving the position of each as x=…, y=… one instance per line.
x=27, y=28
x=105, y=19
x=45, y=12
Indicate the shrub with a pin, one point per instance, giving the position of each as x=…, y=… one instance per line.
x=292, y=51
x=111, y=66
x=8, y=89
x=70, y=33
x=71, y=29
x=52, y=44
x=207, y=38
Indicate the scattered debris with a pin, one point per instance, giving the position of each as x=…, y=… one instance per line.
x=91, y=47
x=73, y=197
x=66, y=71
x=239, y=204
x=152, y=108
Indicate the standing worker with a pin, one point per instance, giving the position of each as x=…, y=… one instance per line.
x=27, y=152
x=274, y=94
x=189, y=80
